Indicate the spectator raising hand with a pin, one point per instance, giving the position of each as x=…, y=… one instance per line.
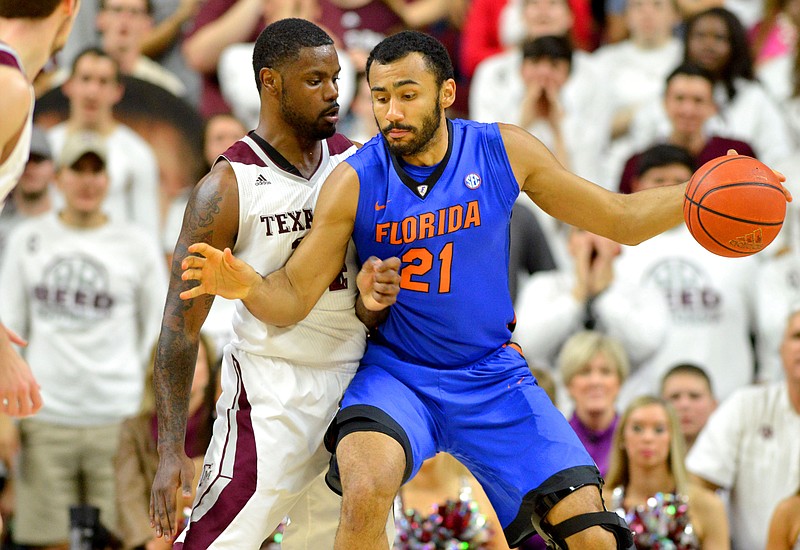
x=594, y=264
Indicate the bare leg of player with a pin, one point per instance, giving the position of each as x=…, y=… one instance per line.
x=371, y=467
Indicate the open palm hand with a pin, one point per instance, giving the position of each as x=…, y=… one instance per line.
x=219, y=272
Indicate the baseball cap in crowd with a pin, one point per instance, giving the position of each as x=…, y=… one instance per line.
x=40, y=147
x=80, y=144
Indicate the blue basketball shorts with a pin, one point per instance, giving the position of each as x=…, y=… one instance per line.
x=491, y=415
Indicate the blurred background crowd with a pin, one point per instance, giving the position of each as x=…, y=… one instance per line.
x=650, y=351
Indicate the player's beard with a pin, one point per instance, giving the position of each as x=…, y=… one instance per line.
x=423, y=137
x=315, y=129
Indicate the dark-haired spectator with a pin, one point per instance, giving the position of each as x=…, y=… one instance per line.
x=659, y=165
x=546, y=67
x=498, y=87
x=123, y=26
x=689, y=104
x=688, y=388
x=750, y=447
x=93, y=89
x=716, y=41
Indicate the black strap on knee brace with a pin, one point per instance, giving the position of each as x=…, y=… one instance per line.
x=610, y=521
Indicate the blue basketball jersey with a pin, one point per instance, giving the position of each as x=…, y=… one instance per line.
x=449, y=225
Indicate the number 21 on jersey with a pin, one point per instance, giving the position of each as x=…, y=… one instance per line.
x=419, y=262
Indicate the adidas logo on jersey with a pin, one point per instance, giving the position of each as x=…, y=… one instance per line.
x=261, y=180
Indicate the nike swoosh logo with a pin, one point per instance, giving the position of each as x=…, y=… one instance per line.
x=380, y=206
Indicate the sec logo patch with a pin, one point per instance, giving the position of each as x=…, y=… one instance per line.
x=472, y=181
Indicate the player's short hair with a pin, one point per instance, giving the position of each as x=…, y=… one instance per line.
x=547, y=47
x=691, y=369
x=280, y=43
x=96, y=52
x=687, y=68
x=397, y=46
x=663, y=155
x=27, y=9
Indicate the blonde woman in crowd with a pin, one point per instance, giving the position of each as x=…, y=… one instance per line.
x=593, y=367
x=647, y=483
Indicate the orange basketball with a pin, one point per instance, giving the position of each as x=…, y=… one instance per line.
x=734, y=206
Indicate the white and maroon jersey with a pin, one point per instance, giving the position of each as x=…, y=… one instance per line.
x=276, y=208
x=11, y=169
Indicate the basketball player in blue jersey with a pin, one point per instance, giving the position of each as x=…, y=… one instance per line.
x=439, y=375
x=281, y=386
x=30, y=33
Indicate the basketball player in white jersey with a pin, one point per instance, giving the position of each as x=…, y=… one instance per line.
x=280, y=385
x=30, y=33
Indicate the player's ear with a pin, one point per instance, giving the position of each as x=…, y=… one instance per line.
x=448, y=93
x=270, y=80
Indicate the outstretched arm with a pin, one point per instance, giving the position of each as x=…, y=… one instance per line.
x=285, y=296
x=212, y=216
x=626, y=219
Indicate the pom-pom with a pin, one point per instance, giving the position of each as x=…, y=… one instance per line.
x=662, y=524
x=454, y=525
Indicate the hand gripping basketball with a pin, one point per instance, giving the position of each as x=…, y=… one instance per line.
x=735, y=205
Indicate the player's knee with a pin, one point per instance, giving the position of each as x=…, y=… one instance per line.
x=569, y=513
x=371, y=468
x=366, y=501
x=367, y=490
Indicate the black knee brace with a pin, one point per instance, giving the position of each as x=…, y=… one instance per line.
x=555, y=489
x=555, y=535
